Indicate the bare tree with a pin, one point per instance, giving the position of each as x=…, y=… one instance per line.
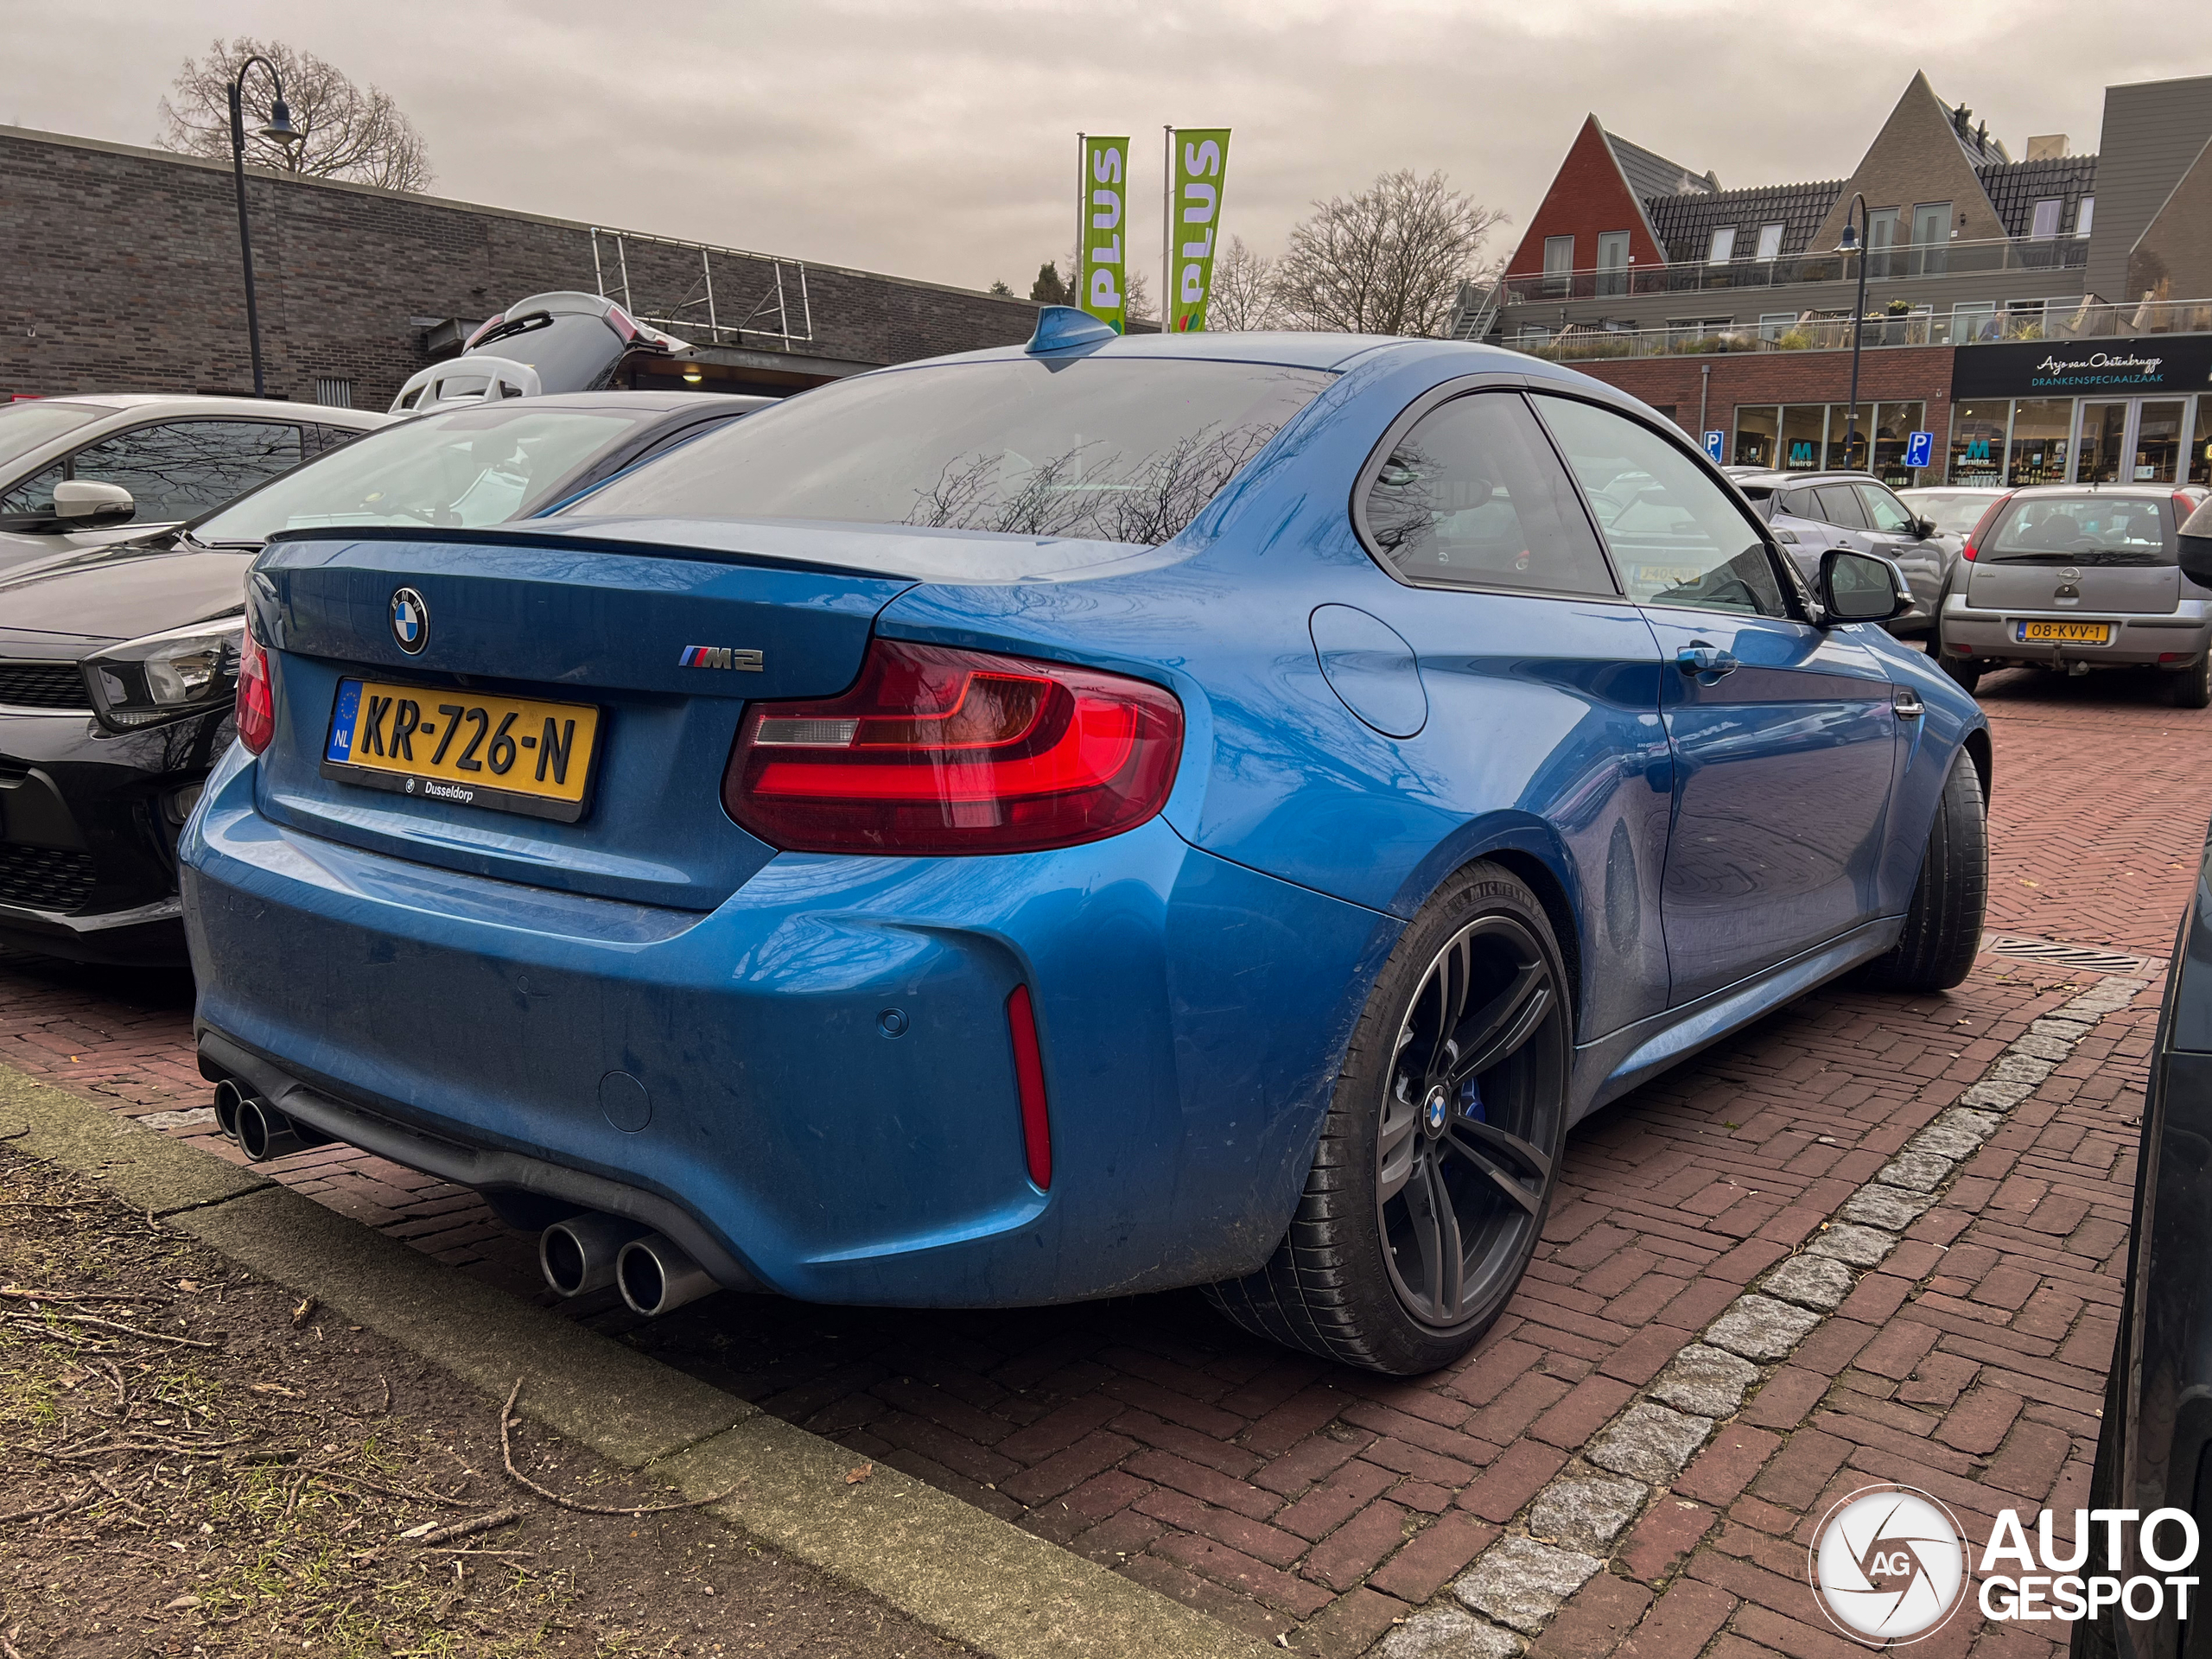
x=1388, y=260
x=1244, y=292
x=350, y=133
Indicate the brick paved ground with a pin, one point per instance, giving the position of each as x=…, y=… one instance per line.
x=1292, y=1497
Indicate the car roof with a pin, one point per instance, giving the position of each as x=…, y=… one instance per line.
x=648, y=401
x=268, y=407
x=1954, y=489
x=1777, y=478
x=1294, y=350
x=2125, y=491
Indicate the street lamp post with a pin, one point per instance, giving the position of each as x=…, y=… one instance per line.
x=279, y=127
x=1853, y=235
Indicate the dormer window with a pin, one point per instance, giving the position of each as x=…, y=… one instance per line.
x=1724, y=247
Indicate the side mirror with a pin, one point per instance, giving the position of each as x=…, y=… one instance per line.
x=81, y=503
x=1860, y=588
x=1922, y=528
x=2195, y=554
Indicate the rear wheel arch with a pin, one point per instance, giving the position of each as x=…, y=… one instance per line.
x=1983, y=754
x=1551, y=892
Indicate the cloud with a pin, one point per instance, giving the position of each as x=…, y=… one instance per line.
x=937, y=140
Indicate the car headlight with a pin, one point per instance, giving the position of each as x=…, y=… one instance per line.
x=166, y=676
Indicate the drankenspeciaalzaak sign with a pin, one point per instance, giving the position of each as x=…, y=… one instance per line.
x=1102, y=282
x=2174, y=363
x=1201, y=161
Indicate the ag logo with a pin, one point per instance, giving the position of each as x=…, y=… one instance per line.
x=1888, y=1563
x=410, y=620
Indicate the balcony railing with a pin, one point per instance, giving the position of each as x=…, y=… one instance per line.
x=1700, y=276
x=2057, y=322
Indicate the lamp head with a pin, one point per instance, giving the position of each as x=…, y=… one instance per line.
x=1850, y=241
x=279, y=125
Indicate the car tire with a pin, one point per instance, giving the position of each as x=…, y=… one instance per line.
x=1942, y=924
x=1441, y=1141
x=2192, y=687
x=1965, y=670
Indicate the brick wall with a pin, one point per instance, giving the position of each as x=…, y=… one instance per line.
x=1588, y=197
x=1901, y=371
x=122, y=275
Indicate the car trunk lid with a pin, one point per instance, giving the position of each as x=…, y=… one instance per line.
x=665, y=650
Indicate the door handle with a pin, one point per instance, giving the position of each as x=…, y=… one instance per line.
x=1701, y=658
x=1907, y=703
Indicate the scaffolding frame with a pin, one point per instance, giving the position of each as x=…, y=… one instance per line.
x=776, y=300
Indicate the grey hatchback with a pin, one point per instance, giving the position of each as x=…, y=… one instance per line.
x=2076, y=577
x=1812, y=512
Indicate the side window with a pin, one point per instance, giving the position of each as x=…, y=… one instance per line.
x=321, y=438
x=1473, y=497
x=181, y=468
x=1840, y=506
x=1676, y=535
x=1800, y=504
x=33, y=494
x=1884, y=511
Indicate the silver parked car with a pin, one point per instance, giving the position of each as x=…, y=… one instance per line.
x=88, y=469
x=1812, y=512
x=2076, y=577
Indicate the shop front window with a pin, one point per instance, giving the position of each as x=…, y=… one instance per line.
x=1757, y=429
x=2037, y=452
x=2199, y=445
x=1847, y=448
x=2103, y=427
x=1894, y=425
x=1978, y=441
x=1804, y=434
x=2157, y=444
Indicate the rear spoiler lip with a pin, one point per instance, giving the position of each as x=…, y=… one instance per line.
x=495, y=536
x=892, y=567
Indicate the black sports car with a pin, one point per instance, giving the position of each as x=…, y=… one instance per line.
x=2154, y=1450
x=117, y=664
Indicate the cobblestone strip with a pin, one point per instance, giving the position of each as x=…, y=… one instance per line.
x=1566, y=1534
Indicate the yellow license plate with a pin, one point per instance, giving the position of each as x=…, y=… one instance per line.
x=2066, y=634
x=513, y=754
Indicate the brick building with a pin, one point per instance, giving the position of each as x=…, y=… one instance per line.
x=2047, y=319
x=122, y=275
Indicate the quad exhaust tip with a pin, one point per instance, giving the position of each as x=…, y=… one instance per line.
x=657, y=1276
x=580, y=1255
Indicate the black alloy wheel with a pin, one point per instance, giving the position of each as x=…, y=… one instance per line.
x=1461, y=1167
x=1437, y=1157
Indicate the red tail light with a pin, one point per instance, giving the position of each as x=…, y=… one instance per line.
x=1029, y=1079
x=935, y=750
x=256, y=707
x=1982, y=526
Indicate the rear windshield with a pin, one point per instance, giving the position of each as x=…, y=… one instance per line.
x=2084, y=530
x=1104, y=449
x=27, y=425
x=1950, y=511
x=571, y=351
x=462, y=468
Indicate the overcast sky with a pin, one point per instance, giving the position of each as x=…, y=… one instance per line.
x=938, y=140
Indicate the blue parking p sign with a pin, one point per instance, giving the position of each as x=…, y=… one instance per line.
x=1918, y=448
x=1713, y=441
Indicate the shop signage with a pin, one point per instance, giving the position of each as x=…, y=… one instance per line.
x=1103, y=228
x=2070, y=368
x=1200, y=160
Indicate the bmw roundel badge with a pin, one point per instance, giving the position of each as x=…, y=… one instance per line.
x=410, y=622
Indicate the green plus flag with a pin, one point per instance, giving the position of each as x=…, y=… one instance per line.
x=1194, y=214
x=1102, y=282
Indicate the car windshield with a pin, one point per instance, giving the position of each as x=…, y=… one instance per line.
x=1952, y=511
x=2083, y=530
x=458, y=469
x=27, y=425
x=1106, y=449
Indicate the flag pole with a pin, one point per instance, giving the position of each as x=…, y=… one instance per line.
x=1166, y=230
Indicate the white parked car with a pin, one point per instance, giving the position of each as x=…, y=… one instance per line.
x=87, y=469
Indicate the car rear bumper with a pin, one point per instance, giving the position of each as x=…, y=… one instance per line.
x=2133, y=641
x=819, y=1072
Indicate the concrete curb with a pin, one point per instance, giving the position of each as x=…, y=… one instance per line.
x=968, y=1575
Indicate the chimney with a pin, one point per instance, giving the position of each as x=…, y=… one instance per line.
x=2047, y=147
